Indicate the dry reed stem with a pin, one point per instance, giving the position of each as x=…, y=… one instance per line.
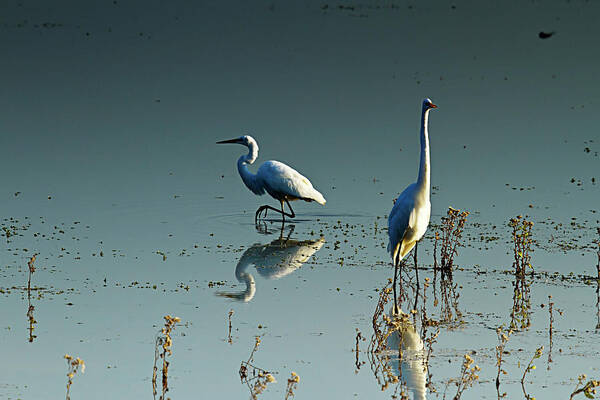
x=377, y=353
x=162, y=350
x=229, y=339
x=292, y=384
x=522, y=241
x=550, y=329
x=357, y=362
x=30, y=307
x=503, y=337
x=73, y=365
x=530, y=367
x=254, y=377
x=451, y=232
x=468, y=376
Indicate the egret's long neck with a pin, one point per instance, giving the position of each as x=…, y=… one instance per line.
x=423, y=180
x=250, y=180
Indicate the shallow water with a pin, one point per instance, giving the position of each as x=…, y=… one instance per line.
x=112, y=177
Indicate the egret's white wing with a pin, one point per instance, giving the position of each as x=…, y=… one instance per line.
x=401, y=217
x=281, y=180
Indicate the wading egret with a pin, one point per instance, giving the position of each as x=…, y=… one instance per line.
x=282, y=182
x=409, y=218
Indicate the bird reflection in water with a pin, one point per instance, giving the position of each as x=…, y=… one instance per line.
x=273, y=260
x=398, y=353
x=411, y=364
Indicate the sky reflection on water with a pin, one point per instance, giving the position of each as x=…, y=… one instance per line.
x=113, y=178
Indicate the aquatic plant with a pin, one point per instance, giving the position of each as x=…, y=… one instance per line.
x=468, y=376
x=377, y=353
x=31, y=265
x=550, y=328
x=162, y=349
x=254, y=377
x=522, y=240
x=229, y=339
x=588, y=388
x=292, y=384
x=357, y=361
x=503, y=337
x=530, y=367
x=598, y=253
x=30, y=308
x=74, y=365
x=520, y=318
x=451, y=232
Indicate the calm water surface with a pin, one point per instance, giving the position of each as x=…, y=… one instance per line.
x=112, y=177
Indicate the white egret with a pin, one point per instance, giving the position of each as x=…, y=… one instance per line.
x=409, y=218
x=282, y=182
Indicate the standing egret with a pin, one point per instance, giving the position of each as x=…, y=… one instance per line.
x=282, y=182
x=409, y=218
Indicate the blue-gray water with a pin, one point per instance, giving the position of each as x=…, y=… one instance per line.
x=110, y=112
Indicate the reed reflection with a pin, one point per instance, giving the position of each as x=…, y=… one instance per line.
x=30, y=308
x=273, y=260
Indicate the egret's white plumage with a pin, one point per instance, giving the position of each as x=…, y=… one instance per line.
x=280, y=181
x=409, y=217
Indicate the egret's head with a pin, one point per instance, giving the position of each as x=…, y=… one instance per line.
x=245, y=140
x=428, y=104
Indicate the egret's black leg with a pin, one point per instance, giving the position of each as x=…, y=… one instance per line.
x=397, y=270
x=292, y=227
x=263, y=208
x=416, y=267
x=395, y=295
x=292, y=215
